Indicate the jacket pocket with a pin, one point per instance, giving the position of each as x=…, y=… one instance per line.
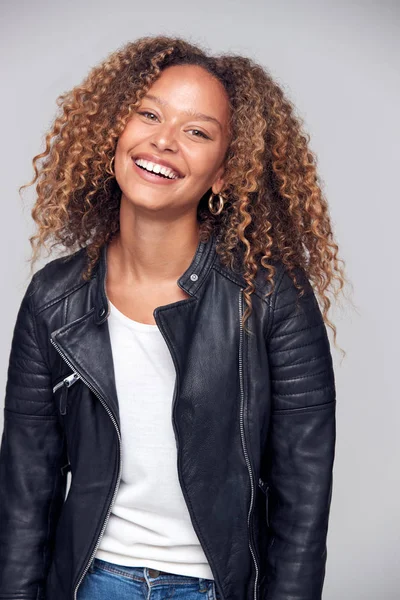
x=65, y=384
x=265, y=488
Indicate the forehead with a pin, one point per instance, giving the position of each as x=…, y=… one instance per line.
x=190, y=88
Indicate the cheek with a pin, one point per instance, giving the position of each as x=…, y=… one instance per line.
x=123, y=150
x=122, y=162
x=205, y=165
x=129, y=137
x=118, y=162
x=123, y=144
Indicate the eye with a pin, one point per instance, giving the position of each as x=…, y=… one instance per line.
x=146, y=112
x=201, y=134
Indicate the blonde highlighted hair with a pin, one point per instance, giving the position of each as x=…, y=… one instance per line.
x=275, y=206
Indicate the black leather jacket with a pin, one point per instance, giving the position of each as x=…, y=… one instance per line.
x=253, y=415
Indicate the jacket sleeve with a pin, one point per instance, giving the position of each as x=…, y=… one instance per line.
x=301, y=443
x=32, y=487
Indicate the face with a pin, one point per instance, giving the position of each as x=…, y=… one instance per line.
x=183, y=124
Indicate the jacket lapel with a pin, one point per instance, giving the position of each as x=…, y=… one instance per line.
x=85, y=343
x=86, y=347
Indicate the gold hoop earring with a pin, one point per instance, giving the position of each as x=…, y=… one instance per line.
x=210, y=204
x=110, y=169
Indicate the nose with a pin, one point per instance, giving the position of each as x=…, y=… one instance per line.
x=165, y=138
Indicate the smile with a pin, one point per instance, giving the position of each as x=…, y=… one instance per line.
x=158, y=175
x=156, y=168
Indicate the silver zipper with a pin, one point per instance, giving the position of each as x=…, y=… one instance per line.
x=119, y=470
x=243, y=439
x=67, y=381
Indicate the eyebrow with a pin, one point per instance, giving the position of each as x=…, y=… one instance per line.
x=196, y=115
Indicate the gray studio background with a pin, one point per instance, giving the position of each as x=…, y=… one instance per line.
x=339, y=63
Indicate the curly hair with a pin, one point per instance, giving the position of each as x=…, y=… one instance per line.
x=275, y=208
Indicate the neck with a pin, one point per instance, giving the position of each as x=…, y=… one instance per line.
x=152, y=252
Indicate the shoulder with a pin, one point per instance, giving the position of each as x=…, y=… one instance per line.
x=58, y=278
x=281, y=282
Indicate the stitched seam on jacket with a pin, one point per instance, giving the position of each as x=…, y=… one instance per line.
x=325, y=387
x=13, y=414
x=290, y=317
x=32, y=311
x=272, y=304
x=311, y=408
x=25, y=399
x=78, y=320
x=297, y=347
x=309, y=360
x=66, y=310
x=240, y=284
x=293, y=303
x=21, y=596
x=276, y=337
x=29, y=387
x=62, y=296
x=227, y=275
x=300, y=376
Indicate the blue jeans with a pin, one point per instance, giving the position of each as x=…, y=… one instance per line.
x=108, y=581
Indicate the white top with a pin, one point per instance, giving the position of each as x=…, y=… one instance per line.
x=149, y=525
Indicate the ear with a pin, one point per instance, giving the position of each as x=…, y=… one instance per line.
x=219, y=182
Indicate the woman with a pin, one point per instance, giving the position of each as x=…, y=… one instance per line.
x=177, y=361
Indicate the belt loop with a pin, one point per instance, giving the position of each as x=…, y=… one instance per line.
x=203, y=587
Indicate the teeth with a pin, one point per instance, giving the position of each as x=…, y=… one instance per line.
x=155, y=168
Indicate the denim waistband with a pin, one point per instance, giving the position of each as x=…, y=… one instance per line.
x=149, y=574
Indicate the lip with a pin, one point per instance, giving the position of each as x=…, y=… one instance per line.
x=155, y=159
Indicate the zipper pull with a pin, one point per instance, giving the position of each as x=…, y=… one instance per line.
x=67, y=382
x=265, y=488
x=263, y=485
x=63, y=398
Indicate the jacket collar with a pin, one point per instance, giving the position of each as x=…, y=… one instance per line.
x=190, y=281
